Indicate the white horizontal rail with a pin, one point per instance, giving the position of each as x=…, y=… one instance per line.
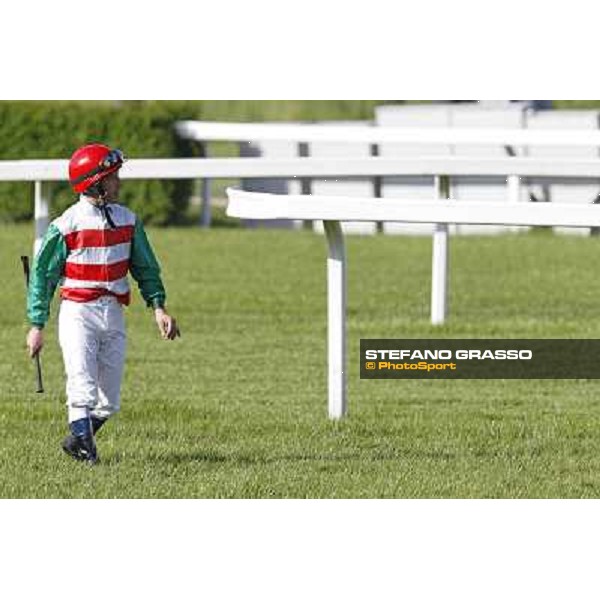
x=252, y=205
x=200, y=168
x=211, y=131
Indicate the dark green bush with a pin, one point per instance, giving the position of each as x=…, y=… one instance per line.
x=55, y=129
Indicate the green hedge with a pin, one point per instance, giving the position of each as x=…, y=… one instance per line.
x=287, y=110
x=54, y=129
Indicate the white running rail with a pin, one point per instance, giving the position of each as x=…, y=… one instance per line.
x=333, y=210
x=212, y=131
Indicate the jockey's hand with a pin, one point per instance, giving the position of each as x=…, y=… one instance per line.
x=166, y=324
x=35, y=341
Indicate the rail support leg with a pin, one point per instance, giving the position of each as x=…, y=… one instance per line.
x=205, y=210
x=41, y=213
x=439, y=262
x=336, y=320
x=513, y=188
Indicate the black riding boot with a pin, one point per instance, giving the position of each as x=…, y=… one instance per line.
x=80, y=445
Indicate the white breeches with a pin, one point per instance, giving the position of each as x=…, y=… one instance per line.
x=92, y=339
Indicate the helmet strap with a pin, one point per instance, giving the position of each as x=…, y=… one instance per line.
x=97, y=192
x=101, y=193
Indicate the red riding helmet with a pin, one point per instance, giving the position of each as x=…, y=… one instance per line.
x=91, y=163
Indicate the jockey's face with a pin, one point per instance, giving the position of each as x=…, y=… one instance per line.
x=111, y=184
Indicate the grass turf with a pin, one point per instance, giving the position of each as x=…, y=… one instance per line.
x=237, y=407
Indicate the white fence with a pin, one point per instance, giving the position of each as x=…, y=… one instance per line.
x=40, y=171
x=440, y=132
x=333, y=210
x=370, y=134
x=192, y=168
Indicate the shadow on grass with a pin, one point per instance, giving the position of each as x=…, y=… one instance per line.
x=172, y=458
x=240, y=459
